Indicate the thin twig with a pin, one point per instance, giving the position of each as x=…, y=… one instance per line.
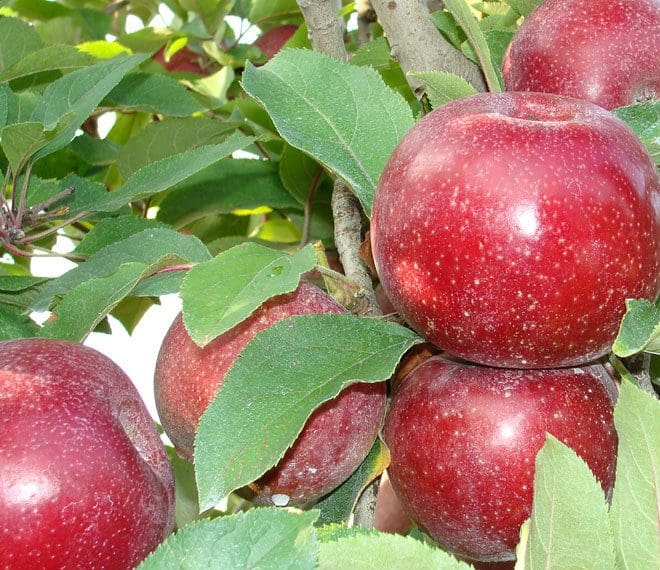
x=22, y=200
x=54, y=229
x=262, y=149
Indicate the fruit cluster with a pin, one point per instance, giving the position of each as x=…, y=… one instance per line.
x=509, y=229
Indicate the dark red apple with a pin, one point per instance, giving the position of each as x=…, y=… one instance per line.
x=185, y=60
x=604, y=51
x=271, y=42
x=509, y=228
x=389, y=516
x=464, y=438
x=84, y=478
x=335, y=439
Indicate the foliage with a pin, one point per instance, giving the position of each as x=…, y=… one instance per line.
x=166, y=201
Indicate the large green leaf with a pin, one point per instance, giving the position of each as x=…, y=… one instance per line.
x=342, y=115
x=265, y=10
x=111, y=230
x=77, y=94
x=219, y=294
x=524, y=7
x=338, y=505
x=251, y=422
x=635, y=511
x=166, y=138
x=444, y=87
x=640, y=329
x=569, y=524
x=15, y=324
x=146, y=247
x=17, y=39
x=644, y=120
x=224, y=187
x=150, y=93
x=167, y=172
x=379, y=551
x=86, y=304
x=268, y=539
x=51, y=58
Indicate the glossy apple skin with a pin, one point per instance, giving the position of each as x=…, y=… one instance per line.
x=84, y=478
x=271, y=42
x=509, y=228
x=336, y=438
x=603, y=51
x=464, y=438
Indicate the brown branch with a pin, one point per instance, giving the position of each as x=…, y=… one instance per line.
x=366, y=16
x=418, y=46
x=326, y=34
x=326, y=31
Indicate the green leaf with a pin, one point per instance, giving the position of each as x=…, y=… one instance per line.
x=98, y=152
x=335, y=531
x=524, y=7
x=635, y=511
x=186, y=502
x=167, y=172
x=51, y=58
x=19, y=141
x=159, y=284
x=86, y=304
x=19, y=283
x=17, y=39
x=150, y=93
x=461, y=11
x=640, y=329
x=569, y=523
x=77, y=94
x=342, y=115
x=20, y=291
x=249, y=425
x=266, y=538
x=14, y=324
x=166, y=138
x=446, y=24
x=299, y=173
x=5, y=94
x=444, y=87
x=219, y=294
x=224, y=187
x=338, y=505
x=112, y=230
x=146, y=247
x=264, y=10
x=381, y=551
x=644, y=120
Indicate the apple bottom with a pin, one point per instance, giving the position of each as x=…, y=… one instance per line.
x=464, y=438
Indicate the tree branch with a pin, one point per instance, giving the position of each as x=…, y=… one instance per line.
x=418, y=46
x=366, y=17
x=325, y=29
x=326, y=34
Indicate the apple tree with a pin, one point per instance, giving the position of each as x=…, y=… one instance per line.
x=338, y=192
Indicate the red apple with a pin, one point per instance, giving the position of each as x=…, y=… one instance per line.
x=604, y=51
x=185, y=60
x=509, y=228
x=271, y=42
x=389, y=516
x=464, y=439
x=335, y=439
x=84, y=478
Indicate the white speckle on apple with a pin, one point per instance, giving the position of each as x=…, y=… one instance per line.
x=280, y=500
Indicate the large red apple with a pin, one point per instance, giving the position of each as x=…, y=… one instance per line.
x=84, y=479
x=335, y=439
x=510, y=228
x=604, y=51
x=271, y=42
x=464, y=438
